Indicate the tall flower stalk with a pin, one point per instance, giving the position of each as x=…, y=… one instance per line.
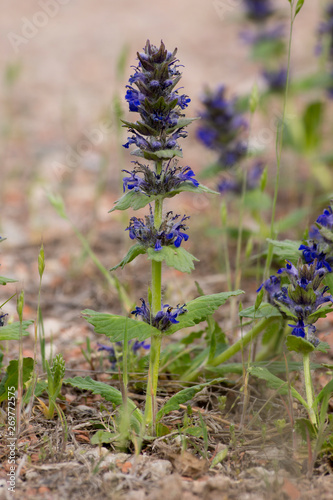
x=154, y=94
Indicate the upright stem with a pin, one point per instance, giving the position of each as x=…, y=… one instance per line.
x=278, y=148
x=309, y=388
x=156, y=305
x=241, y=343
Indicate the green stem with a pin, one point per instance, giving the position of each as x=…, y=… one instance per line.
x=278, y=149
x=241, y=343
x=156, y=305
x=309, y=388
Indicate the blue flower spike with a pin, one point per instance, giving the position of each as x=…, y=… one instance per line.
x=301, y=297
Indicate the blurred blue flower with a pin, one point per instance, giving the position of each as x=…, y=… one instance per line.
x=258, y=10
x=319, y=246
x=277, y=79
x=234, y=183
x=221, y=127
x=264, y=35
x=135, y=346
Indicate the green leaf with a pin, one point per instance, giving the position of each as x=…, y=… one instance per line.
x=257, y=200
x=10, y=379
x=281, y=386
x=323, y=347
x=210, y=171
x=178, y=258
x=298, y=344
x=4, y=281
x=328, y=280
x=12, y=331
x=201, y=307
x=137, y=200
x=326, y=391
x=106, y=391
x=286, y=249
x=103, y=437
x=183, y=397
x=322, y=312
x=132, y=253
x=254, y=98
x=312, y=121
x=114, y=326
x=275, y=367
x=293, y=219
x=165, y=154
x=265, y=310
x=58, y=204
x=299, y=5
x=182, y=122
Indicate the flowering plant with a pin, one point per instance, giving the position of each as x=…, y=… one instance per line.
x=153, y=93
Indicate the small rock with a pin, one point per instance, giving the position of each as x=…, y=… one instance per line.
x=159, y=468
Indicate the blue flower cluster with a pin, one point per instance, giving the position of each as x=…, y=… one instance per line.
x=258, y=10
x=163, y=319
x=267, y=42
x=221, y=127
x=299, y=298
x=114, y=357
x=234, y=184
x=153, y=94
x=142, y=179
x=319, y=247
x=276, y=79
x=170, y=232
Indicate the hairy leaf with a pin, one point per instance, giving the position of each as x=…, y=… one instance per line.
x=10, y=379
x=136, y=199
x=106, y=391
x=286, y=249
x=12, y=331
x=281, y=386
x=326, y=391
x=114, y=326
x=265, y=310
x=4, y=281
x=178, y=258
x=183, y=397
x=132, y=253
x=201, y=307
x=298, y=344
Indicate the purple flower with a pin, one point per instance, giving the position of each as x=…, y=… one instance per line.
x=272, y=34
x=152, y=94
x=3, y=319
x=234, y=183
x=258, y=10
x=277, y=79
x=163, y=319
x=221, y=126
x=326, y=30
x=136, y=346
x=305, y=331
x=301, y=297
x=150, y=183
x=319, y=247
x=170, y=232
